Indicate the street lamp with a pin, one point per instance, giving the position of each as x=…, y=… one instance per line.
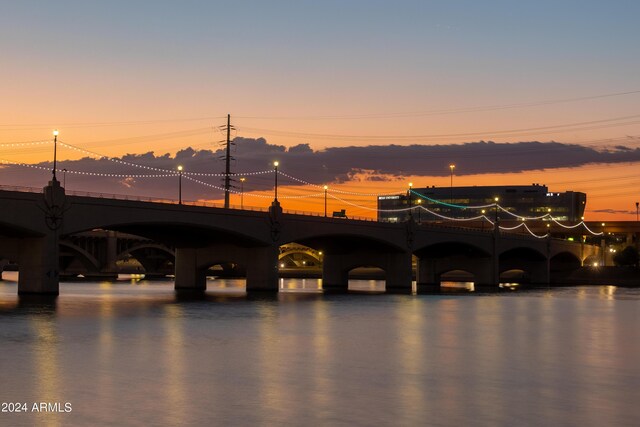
x=275, y=168
x=242, y=180
x=55, y=147
x=410, y=210
x=603, y=245
x=419, y=208
x=482, y=220
x=637, y=206
x=496, y=218
x=64, y=178
x=452, y=167
x=326, y=187
x=179, y=184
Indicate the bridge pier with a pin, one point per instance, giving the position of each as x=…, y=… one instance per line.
x=335, y=278
x=397, y=267
x=262, y=269
x=39, y=257
x=426, y=278
x=38, y=264
x=399, y=274
x=261, y=265
x=188, y=274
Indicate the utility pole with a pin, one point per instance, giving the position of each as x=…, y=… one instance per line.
x=228, y=158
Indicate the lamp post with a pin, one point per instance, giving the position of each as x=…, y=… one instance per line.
x=64, y=178
x=242, y=180
x=179, y=184
x=410, y=209
x=603, y=245
x=496, y=217
x=55, y=154
x=275, y=168
x=451, y=167
x=326, y=187
x=482, y=220
x=637, y=207
x=419, y=208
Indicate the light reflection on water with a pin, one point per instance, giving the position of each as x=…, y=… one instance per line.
x=134, y=352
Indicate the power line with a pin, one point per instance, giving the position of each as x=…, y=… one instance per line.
x=442, y=112
x=587, y=125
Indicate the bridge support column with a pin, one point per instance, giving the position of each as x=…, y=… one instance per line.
x=262, y=269
x=38, y=265
x=188, y=275
x=487, y=277
x=335, y=278
x=398, y=273
x=112, y=253
x=426, y=279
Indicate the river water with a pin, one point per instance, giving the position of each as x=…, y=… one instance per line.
x=134, y=353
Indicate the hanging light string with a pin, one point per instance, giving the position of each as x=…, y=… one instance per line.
x=302, y=181
x=440, y=202
x=124, y=162
x=206, y=184
x=24, y=144
x=526, y=228
x=110, y=175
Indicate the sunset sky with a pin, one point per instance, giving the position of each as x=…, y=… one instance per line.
x=363, y=96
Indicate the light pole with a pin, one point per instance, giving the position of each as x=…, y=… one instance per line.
x=419, y=208
x=637, y=207
x=496, y=217
x=410, y=208
x=179, y=184
x=275, y=168
x=64, y=178
x=55, y=154
x=603, y=245
x=482, y=220
x=326, y=187
x=242, y=180
x=451, y=167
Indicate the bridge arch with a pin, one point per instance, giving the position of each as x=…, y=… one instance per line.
x=565, y=261
x=524, y=264
x=437, y=260
x=76, y=260
x=299, y=256
x=153, y=257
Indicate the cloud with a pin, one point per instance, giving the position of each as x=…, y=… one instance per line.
x=337, y=164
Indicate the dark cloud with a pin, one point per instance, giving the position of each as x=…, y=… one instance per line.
x=337, y=164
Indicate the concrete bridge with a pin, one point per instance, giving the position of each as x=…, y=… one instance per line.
x=32, y=226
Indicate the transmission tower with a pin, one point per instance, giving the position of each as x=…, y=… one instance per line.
x=227, y=159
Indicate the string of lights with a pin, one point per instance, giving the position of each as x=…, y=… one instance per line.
x=24, y=144
x=334, y=190
x=440, y=202
x=110, y=175
x=124, y=162
x=206, y=184
x=526, y=228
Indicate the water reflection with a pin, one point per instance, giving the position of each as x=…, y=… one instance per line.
x=47, y=367
x=124, y=352
x=176, y=365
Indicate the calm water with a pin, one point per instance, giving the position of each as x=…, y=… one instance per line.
x=132, y=353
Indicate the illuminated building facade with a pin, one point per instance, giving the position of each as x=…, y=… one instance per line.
x=524, y=200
